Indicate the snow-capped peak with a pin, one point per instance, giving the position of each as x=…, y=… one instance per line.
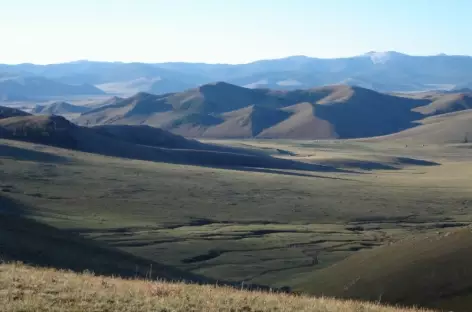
x=381, y=57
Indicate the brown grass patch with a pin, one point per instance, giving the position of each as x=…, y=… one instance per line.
x=23, y=288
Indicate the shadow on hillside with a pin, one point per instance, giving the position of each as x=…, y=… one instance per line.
x=373, y=113
x=416, y=162
x=31, y=242
x=289, y=173
x=224, y=158
x=377, y=165
x=17, y=153
x=140, y=143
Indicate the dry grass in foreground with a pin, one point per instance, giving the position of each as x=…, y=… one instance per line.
x=24, y=288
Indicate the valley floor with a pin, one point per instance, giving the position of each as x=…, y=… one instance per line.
x=254, y=225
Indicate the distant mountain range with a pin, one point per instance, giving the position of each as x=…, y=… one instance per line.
x=23, y=87
x=222, y=110
x=384, y=71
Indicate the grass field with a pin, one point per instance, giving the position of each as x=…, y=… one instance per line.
x=24, y=288
x=252, y=226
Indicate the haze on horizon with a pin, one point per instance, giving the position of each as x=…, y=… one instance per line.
x=211, y=31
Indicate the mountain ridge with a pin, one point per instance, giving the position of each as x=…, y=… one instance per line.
x=222, y=110
x=38, y=86
x=382, y=71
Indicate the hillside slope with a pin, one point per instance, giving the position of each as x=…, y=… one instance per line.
x=441, y=129
x=31, y=289
x=51, y=130
x=302, y=124
x=222, y=110
x=6, y=112
x=446, y=103
x=356, y=112
x=247, y=122
x=138, y=142
x=430, y=270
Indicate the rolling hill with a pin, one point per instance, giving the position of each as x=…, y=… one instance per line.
x=447, y=128
x=430, y=270
x=447, y=103
x=222, y=110
x=136, y=142
x=59, y=108
x=441, y=102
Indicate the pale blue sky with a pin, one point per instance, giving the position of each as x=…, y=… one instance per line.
x=231, y=31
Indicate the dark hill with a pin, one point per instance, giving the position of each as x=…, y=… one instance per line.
x=50, y=130
x=6, y=112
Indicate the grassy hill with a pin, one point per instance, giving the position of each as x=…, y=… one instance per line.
x=222, y=110
x=447, y=119
x=441, y=102
x=137, y=142
x=430, y=270
x=32, y=289
x=446, y=128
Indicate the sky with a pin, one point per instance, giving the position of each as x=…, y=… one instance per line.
x=227, y=31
